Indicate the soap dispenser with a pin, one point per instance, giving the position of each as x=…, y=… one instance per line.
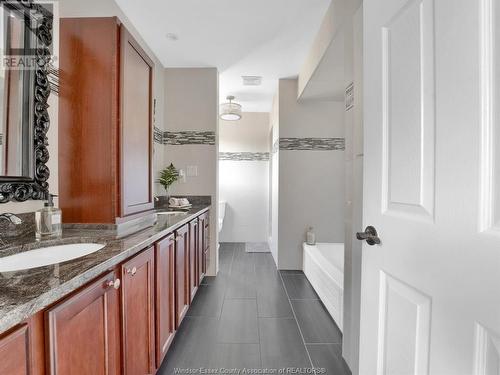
x=48, y=219
x=310, y=236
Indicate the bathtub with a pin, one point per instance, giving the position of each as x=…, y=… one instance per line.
x=323, y=265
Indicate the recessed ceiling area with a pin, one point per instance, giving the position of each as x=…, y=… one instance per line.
x=268, y=38
x=327, y=81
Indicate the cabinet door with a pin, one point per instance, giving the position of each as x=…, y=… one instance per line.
x=205, y=240
x=136, y=127
x=193, y=257
x=165, y=296
x=15, y=352
x=201, y=252
x=181, y=273
x=84, y=330
x=138, y=314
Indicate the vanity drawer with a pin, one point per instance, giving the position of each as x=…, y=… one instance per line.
x=15, y=352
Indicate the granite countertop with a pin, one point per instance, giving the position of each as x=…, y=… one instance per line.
x=24, y=293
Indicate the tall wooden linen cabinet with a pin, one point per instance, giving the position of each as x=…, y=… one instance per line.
x=105, y=123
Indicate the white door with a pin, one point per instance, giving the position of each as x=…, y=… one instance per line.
x=431, y=289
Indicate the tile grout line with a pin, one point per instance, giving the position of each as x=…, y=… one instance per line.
x=297, y=322
x=225, y=290
x=257, y=303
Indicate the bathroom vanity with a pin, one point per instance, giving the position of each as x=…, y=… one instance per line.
x=114, y=311
x=115, y=308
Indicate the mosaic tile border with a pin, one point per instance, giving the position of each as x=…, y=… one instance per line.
x=313, y=144
x=158, y=135
x=192, y=137
x=244, y=156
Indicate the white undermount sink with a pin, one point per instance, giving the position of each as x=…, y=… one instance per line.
x=172, y=213
x=46, y=256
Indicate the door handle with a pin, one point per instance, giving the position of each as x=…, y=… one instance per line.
x=370, y=235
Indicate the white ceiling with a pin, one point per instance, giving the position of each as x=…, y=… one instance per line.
x=268, y=38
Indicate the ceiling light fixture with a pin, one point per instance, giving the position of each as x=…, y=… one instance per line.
x=172, y=37
x=230, y=111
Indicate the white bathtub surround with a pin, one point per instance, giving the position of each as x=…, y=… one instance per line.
x=244, y=177
x=323, y=265
x=307, y=173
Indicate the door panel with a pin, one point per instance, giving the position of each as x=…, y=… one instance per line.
x=404, y=326
x=165, y=296
x=181, y=273
x=84, y=331
x=487, y=352
x=429, y=188
x=201, y=250
x=490, y=142
x=136, y=123
x=15, y=352
x=408, y=110
x=138, y=314
x=193, y=257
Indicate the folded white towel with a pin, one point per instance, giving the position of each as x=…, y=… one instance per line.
x=178, y=202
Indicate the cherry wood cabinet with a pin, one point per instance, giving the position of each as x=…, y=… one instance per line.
x=15, y=352
x=194, y=253
x=165, y=296
x=137, y=302
x=136, y=92
x=123, y=322
x=205, y=242
x=105, y=123
x=83, y=331
x=181, y=273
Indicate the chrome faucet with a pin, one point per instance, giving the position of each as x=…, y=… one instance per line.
x=11, y=218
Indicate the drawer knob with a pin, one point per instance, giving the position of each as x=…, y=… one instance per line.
x=132, y=271
x=115, y=284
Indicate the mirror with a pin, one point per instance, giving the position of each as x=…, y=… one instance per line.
x=25, y=38
x=16, y=105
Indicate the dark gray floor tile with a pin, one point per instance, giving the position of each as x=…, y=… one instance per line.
x=226, y=254
x=315, y=322
x=272, y=302
x=281, y=344
x=207, y=302
x=193, y=345
x=243, y=261
x=241, y=287
x=298, y=287
x=267, y=279
x=328, y=357
x=222, y=330
x=238, y=356
x=241, y=282
x=265, y=261
x=238, y=323
x=292, y=272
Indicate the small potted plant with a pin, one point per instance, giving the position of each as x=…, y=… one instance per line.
x=167, y=177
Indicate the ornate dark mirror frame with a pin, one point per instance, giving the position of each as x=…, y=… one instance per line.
x=15, y=189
